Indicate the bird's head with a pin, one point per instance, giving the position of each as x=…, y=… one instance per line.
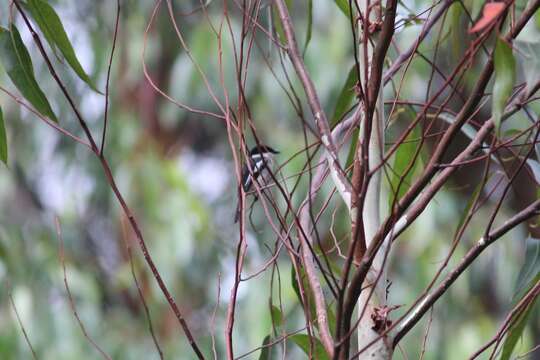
x=262, y=150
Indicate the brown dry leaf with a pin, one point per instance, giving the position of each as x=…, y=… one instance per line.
x=490, y=13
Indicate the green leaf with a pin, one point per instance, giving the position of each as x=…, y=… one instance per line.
x=3, y=140
x=343, y=5
x=537, y=18
x=352, y=149
x=456, y=33
x=309, y=25
x=331, y=319
x=472, y=200
x=530, y=269
x=18, y=66
x=515, y=332
x=505, y=74
x=294, y=282
x=50, y=24
x=467, y=130
x=278, y=26
x=535, y=168
x=266, y=350
x=346, y=96
x=305, y=285
x=302, y=340
x=528, y=276
x=400, y=176
x=277, y=316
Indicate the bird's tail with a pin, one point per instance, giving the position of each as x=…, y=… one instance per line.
x=237, y=214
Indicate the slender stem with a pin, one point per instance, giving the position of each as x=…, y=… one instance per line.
x=111, y=57
x=530, y=211
x=114, y=187
x=338, y=175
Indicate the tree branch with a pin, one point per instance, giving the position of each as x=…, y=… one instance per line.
x=481, y=245
x=338, y=175
x=112, y=183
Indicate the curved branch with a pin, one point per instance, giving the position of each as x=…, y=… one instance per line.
x=473, y=253
x=338, y=175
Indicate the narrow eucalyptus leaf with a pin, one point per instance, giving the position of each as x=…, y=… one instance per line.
x=50, y=24
x=529, y=275
x=265, y=349
x=303, y=341
x=352, y=148
x=309, y=25
x=535, y=168
x=530, y=268
x=3, y=140
x=277, y=316
x=505, y=74
x=515, y=332
x=402, y=170
x=346, y=96
x=276, y=20
x=343, y=5
x=18, y=65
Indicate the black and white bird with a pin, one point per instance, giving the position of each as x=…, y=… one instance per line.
x=260, y=162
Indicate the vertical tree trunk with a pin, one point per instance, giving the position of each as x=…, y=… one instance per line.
x=372, y=297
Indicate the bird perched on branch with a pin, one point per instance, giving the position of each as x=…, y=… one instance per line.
x=257, y=168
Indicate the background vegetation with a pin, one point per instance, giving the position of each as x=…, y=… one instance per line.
x=176, y=172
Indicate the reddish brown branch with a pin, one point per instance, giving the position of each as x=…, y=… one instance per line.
x=342, y=183
x=70, y=296
x=387, y=229
x=404, y=56
x=510, y=319
x=112, y=184
x=107, y=82
x=474, y=252
x=21, y=325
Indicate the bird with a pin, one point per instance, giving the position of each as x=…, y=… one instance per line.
x=260, y=160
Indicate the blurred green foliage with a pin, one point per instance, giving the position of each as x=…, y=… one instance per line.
x=175, y=170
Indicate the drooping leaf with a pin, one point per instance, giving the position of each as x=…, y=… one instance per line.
x=331, y=319
x=3, y=140
x=346, y=96
x=18, y=65
x=475, y=7
x=528, y=276
x=401, y=175
x=467, y=130
x=515, y=332
x=295, y=286
x=277, y=316
x=489, y=15
x=535, y=168
x=304, y=283
x=505, y=74
x=50, y=24
x=302, y=340
x=352, y=149
x=530, y=60
x=278, y=26
x=309, y=24
x=530, y=269
x=455, y=31
x=472, y=200
x=343, y=5
x=265, y=350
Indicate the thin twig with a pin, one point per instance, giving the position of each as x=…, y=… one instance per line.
x=21, y=325
x=111, y=57
x=70, y=296
x=112, y=183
